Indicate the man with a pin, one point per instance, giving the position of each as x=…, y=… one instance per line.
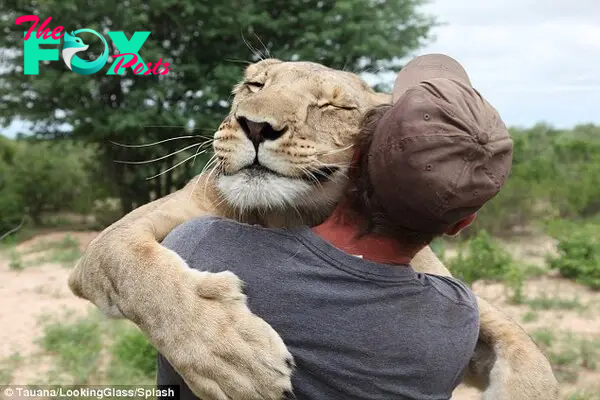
x=359, y=321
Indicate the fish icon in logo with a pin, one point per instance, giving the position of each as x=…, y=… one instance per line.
x=73, y=45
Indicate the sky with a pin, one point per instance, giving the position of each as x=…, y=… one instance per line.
x=534, y=60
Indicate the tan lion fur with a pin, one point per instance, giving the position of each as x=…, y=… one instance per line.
x=199, y=321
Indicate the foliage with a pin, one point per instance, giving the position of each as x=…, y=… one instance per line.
x=44, y=176
x=545, y=302
x=133, y=350
x=65, y=252
x=568, y=354
x=12, y=210
x=555, y=173
x=8, y=367
x=204, y=42
x=480, y=258
x=579, y=252
x=16, y=261
x=106, y=212
x=79, y=344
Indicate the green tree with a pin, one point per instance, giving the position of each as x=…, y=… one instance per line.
x=205, y=44
x=12, y=210
x=46, y=176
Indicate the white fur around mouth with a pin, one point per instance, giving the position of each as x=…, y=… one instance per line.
x=248, y=190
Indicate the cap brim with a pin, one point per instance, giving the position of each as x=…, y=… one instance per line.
x=426, y=67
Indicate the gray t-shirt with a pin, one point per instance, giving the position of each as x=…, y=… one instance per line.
x=356, y=329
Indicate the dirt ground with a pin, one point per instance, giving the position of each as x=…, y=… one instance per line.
x=36, y=291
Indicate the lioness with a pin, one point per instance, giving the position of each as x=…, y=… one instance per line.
x=310, y=115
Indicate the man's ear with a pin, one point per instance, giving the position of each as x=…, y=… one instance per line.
x=460, y=225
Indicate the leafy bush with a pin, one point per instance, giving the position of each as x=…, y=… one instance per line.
x=91, y=349
x=579, y=252
x=481, y=258
x=555, y=173
x=12, y=209
x=134, y=351
x=16, y=261
x=41, y=177
x=106, y=212
x=576, y=188
x=77, y=342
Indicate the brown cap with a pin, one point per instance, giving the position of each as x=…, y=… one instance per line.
x=441, y=151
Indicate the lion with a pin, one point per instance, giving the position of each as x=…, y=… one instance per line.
x=292, y=173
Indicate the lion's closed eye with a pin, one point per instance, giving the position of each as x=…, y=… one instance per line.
x=254, y=86
x=338, y=106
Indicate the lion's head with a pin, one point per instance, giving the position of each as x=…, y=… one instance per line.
x=287, y=143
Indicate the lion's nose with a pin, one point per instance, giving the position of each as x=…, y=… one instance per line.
x=258, y=132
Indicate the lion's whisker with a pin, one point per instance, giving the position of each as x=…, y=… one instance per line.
x=268, y=54
x=199, y=147
x=174, y=166
x=337, y=165
x=296, y=209
x=335, y=151
x=212, y=170
x=238, y=61
x=159, y=158
x=252, y=48
x=332, y=165
x=311, y=176
x=155, y=143
x=207, y=165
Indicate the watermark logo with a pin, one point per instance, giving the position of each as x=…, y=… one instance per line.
x=128, y=56
x=74, y=45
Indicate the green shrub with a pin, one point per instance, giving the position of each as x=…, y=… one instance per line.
x=579, y=253
x=106, y=212
x=16, y=261
x=12, y=209
x=77, y=342
x=91, y=349
x=514, y=278
x=555, y=173
x=480, y=258
x=45, y=176
x=134, y=352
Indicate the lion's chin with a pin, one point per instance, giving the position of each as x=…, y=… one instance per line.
x=251, y=191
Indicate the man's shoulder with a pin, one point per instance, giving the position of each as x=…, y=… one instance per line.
x=202, y=226
x=453, y=289
x=202, y=229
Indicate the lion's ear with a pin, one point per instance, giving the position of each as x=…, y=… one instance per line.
x=254, y=69
x=381, y=98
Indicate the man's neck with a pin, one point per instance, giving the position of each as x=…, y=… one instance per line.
x=342, y=233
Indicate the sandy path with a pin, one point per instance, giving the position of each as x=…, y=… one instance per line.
x=29, y=295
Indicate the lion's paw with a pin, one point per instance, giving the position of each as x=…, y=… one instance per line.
x=219, y=285
x=220, y=348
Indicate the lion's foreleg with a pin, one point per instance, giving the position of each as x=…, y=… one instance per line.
x=127, y=255
x=506, y=364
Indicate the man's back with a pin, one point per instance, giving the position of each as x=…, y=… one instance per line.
x=356, y=329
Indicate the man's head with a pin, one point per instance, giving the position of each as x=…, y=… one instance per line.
x=431, y=160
